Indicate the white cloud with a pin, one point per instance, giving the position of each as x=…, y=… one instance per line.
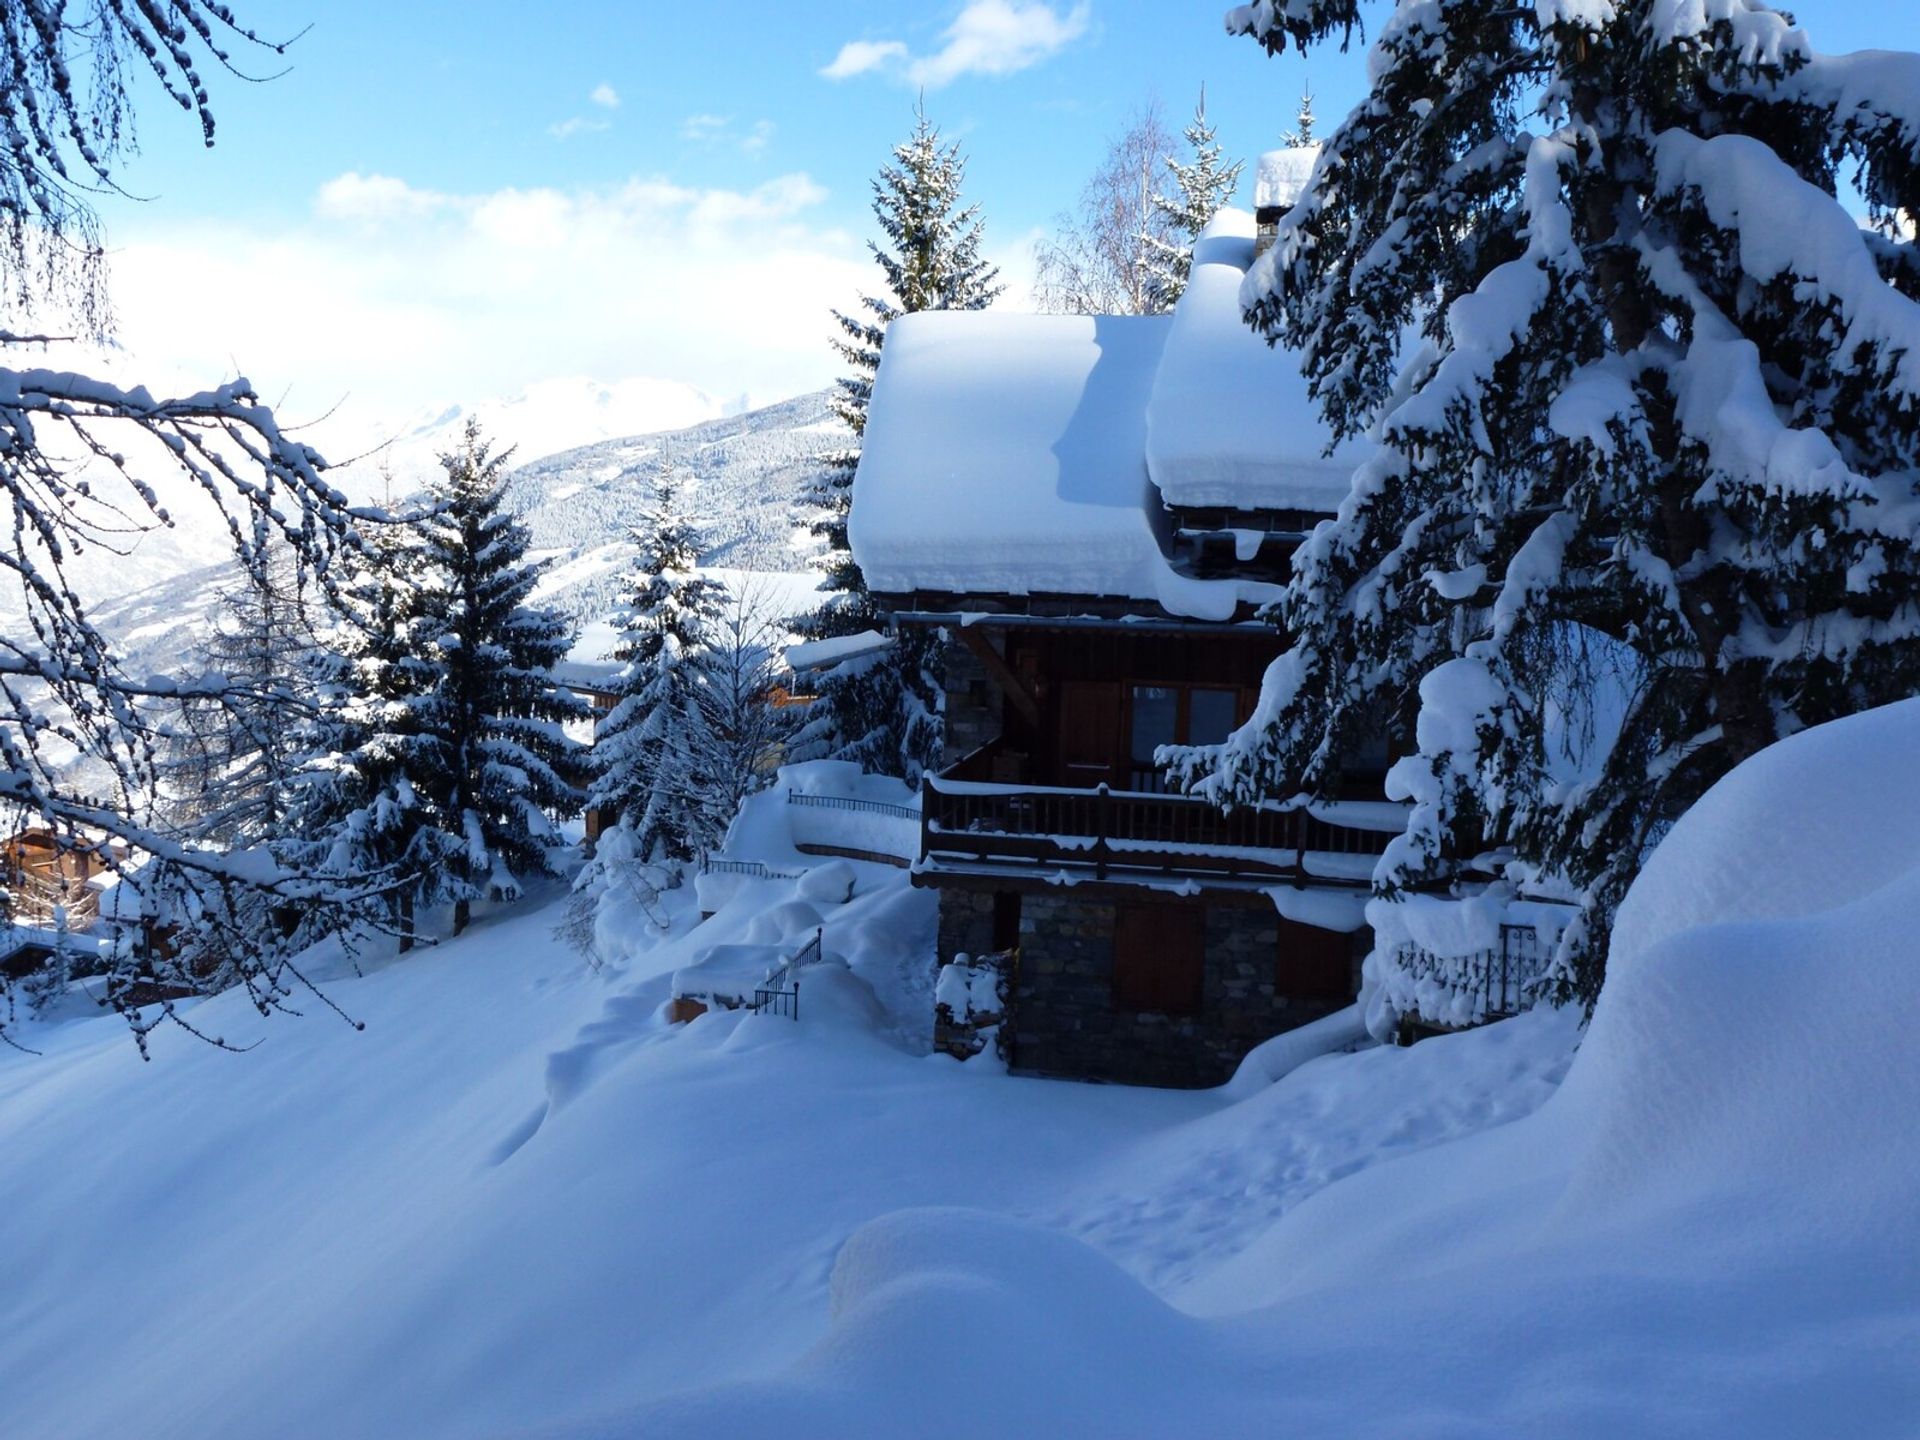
x=577, y=125
x=756, y=139
x=987, y=37
x=390, y=299
x=857, y=57
x=373, y=199
x=703, y=127
x=719, y=129
x=604, y=97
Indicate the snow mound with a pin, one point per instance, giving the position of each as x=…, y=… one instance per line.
x=1761, y=998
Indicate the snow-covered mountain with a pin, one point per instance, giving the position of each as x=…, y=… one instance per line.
x=746, y=472
x=544, y=419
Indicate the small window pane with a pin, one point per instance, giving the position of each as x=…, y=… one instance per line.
x=1210, y=716
x=1156, y=709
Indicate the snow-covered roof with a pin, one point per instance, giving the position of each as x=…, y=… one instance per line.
x=1229, y=421
x=1007, y=454
x=835, y=650
x=1280, y=176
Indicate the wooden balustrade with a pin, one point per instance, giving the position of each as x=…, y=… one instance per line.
x=1116, y=831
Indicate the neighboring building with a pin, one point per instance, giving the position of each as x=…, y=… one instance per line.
x=1090, y=510
x=77, y=892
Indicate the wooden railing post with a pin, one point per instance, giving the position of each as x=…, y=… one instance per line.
x=1102, y=827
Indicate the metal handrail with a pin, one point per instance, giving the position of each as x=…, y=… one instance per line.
x=848, y=802
x=755, y=868
x=781, y=994
x=1505, y=981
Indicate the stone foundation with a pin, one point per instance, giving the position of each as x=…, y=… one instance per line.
x=1067, y=1022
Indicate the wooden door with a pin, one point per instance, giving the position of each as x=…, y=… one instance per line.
x=1089, y=732
x=1159, y=958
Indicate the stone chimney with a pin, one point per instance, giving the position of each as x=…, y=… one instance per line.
x=1279, y=180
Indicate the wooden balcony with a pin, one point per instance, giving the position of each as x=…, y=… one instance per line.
x=1124, y=835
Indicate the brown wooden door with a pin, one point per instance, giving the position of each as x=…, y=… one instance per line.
x=1089, y=732
x=1159, y=958
x=1313, y=964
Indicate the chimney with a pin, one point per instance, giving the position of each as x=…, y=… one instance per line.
x=1279, y=180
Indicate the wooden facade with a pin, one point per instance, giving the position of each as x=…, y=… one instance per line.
x=1151, y=948
x=43, y=873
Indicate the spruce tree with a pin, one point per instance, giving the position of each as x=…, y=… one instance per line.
x=1201, y=186
x=504, y=769
x=1653, y=453
x=930, y=257
x=652, y=752
x=360, y=797
x=1301, y=136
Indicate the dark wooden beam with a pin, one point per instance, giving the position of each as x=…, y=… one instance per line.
x=1002, y=674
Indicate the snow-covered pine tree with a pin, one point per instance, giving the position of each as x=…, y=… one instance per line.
x=930, y=256
x=1663, y=406
x=651, y=751
x=1201, y=186
x=359, y=798
x=1301, y=136
x=504, y=769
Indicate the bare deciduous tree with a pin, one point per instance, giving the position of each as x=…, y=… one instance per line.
x=1099, y=260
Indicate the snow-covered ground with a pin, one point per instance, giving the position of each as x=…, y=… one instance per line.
x=520, y=1202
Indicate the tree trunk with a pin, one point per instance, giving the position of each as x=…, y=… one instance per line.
x=403, y=906
x=462, y=913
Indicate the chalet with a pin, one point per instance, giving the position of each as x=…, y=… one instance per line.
x=1090, y=511
x=59, y=889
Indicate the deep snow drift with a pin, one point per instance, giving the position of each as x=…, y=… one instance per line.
x=520, y=1202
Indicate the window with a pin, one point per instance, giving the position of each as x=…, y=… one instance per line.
x=1159, y=958
x=1156, y=722
x=1313, y=964
x=1174, y=715
x=1211, y=715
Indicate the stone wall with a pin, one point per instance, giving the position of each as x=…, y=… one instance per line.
x=972, y=702
x=1065, y=1019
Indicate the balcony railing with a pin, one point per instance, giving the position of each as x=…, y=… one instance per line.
x=1123, y=834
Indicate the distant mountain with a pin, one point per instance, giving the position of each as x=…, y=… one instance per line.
x=541, y=420
x=746, y=473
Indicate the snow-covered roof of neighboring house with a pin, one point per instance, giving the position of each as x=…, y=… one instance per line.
x=835, y=650
x=1006, y=454
x=1280, y=176
x=1229, y=421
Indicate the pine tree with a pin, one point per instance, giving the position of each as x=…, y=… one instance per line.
x=652, y=751
x=504, y=769
x=1301, y=137
x=931, y=260
x=1661, y=424
x=360, y=795
x=1201, y=187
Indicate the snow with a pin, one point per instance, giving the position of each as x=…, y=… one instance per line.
x=519, y=1201
x=729, y=974
x=1280, y=176
x=1006, y=454
x=968, y=990
x=824, y=654
x=1229, y=420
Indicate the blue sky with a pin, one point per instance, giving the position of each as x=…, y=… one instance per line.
x=443, y=202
